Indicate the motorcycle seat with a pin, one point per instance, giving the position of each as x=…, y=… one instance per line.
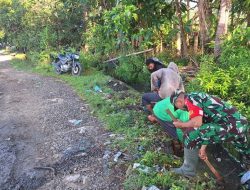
x=62, y=57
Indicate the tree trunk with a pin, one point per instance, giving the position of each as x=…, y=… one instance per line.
x=202, y=12
x=85, y=47
x=178, y=44
x=161, y=45
x=232, y=18
x=248, y=19
x=196, y=42
x=184, y=51
x=222, y=26
x=188, y=18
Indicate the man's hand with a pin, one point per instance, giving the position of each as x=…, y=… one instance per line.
x=152, y=118
x=156, y=90
x=202, y=152
x=178, y=124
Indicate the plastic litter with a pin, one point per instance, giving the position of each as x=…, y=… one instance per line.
x=106, y=154
x=245, y=177
x=153, y=188
x=117, y=155
x=97, y=89
x=107, y=143
x=75, y=121
x=218, y=159
x=106, y=157
x=141, y=168
x=72, y=178
x=140, y=148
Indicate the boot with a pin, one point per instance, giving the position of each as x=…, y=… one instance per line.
x=188, y=168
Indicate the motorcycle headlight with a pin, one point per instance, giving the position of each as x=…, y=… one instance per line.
x=76, y=56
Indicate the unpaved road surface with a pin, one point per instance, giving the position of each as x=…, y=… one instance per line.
x=39, y=147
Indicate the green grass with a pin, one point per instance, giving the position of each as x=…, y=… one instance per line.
x=130, y=124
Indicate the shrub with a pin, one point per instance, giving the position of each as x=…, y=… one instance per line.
x=89, y=60
x=230, y=79
x=132, y=70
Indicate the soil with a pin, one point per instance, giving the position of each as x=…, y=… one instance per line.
x=39, y=147
x=117, y=85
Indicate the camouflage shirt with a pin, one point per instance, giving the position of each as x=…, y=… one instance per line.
x=213, y=110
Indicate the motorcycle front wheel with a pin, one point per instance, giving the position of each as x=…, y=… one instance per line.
x=57, y=68
x=76, y=70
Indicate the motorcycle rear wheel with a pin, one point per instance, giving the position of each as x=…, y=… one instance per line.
x=76, y=70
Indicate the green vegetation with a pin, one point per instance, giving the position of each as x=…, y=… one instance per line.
x=119, y=111
x=179, y=31
x=230, y=79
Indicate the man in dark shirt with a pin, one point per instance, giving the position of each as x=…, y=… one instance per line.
x=154, y=64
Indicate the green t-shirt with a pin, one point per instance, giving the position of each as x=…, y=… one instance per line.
x=160, y=112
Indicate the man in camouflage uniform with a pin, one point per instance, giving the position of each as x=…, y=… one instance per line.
x=211, y=121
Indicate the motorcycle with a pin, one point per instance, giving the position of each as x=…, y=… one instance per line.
x=64, y=63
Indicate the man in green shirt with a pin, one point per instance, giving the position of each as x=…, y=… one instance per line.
x=160, y=112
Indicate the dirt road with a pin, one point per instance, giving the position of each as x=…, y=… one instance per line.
x=39, y=147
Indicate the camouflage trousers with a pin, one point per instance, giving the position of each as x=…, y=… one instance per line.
x=212, y=133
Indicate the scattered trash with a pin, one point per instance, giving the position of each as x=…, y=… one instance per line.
x=150, y=126
x=72, y=178
x=136, y=165
x=140, y=148
x=112, y=135
x=82, y=130
x=117, y=155
x=75, y=121
x=153, y=188
x=83, y=109
x=106, y=154
x=120, y=138
x=106, y=157
x=141, y=168
x=146, y=169
x=81, y=154
x=218, y=159
x=97, y=89
x=107, y=143
x=158, y=149
x=84, y=180
x=245, y=177
x=56, y=100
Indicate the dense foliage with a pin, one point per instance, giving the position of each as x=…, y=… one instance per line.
x=230, y=79
x=100, y=30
